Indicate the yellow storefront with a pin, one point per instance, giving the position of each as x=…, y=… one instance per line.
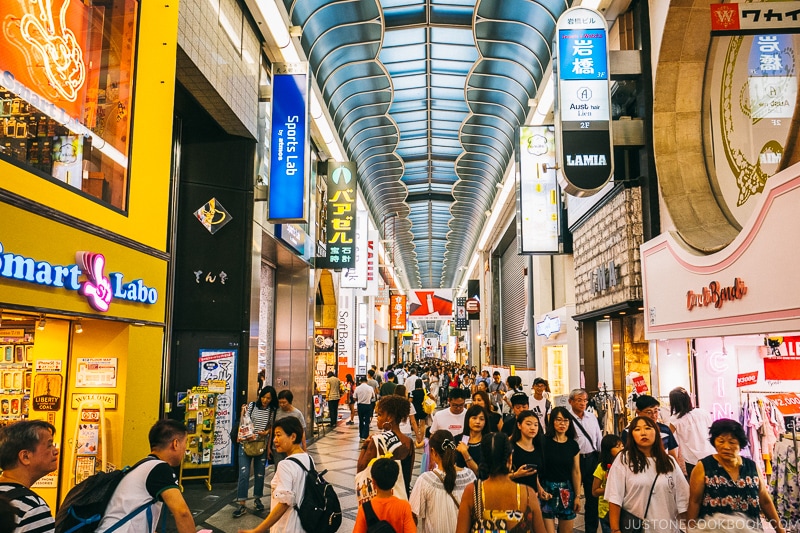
x=84, y=211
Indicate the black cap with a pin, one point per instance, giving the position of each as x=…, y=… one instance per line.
x=540, y=381
x=519, y=398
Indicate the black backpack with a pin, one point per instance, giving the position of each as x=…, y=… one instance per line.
x=374, y=525
x=319, y=509
x=85, y=504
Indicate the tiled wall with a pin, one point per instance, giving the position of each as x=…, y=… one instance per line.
x=218, y=61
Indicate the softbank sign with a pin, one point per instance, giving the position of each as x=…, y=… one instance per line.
x=98, y=289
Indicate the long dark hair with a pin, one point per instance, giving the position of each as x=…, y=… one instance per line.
x=680, y=402
x=349, y=378
x=517, y=435
x=551, y=423
x=636, y=459
x=273, y=401
x=485, y=397
x=472, y=412
x=495, y=451
x=442, y=442
x=608, y=443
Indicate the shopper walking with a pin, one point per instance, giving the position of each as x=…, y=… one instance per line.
x=560, y=480
x=647, y=482
x=452, y=418
x=727, y=483
x=365, y=396
x=493, y=419
x=263, y=414
x=350, y=387
x=540, y=401
x=333, y=396
x=588, y=436
x=285, y=408
x=610, y=447
x=418, y=396
x=433, y=381
x=468, y=443
x=502, y=505
x=437, y=493
x=690, y=426
x=528, y=454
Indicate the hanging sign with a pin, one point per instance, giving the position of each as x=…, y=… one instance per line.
x=461, y=314
x=341, y=221
x=397, y=311
x=356, y=277
x=346, y=334
x=747, y=378
x=434, y=303
x=640, y=385
x=788, y=403
x=582, y=102
x=289, y=146
x=782, y=368
x=754, y=17
x=538, y=198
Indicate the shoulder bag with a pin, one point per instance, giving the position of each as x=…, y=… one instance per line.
x=449, y=493
x=365, y=487
x=629, y=522
x=258, y=446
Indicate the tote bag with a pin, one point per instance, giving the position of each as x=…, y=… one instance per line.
x=365, y=487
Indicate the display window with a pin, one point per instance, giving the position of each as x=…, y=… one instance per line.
x=66, y=92
x=16, y=365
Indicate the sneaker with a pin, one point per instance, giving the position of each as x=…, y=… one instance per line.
x=350, y=423
x=259, y=505
x=240, y=511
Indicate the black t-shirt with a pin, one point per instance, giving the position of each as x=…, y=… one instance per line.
x=523, y=457
x=509, y=423
x=559, y=458
x=161, y=478
x=474, y=451
x=494, y=420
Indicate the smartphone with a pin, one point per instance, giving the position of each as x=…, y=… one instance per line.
x=531, y=466
x=465, y=439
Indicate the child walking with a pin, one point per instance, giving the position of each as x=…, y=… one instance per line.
x=385, y=506
x=610, y=446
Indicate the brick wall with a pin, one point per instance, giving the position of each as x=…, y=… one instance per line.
x=614, y=232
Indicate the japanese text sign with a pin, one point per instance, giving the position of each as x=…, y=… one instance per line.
x=397, y=311
x=754, y=17
x=583, y=111
x=341, y=221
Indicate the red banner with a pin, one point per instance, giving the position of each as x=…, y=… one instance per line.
x=640, y=384
x=397, y=312
x=782, y=368
x=788, y=403
x=748, y=378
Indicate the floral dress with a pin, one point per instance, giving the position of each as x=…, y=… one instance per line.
x=724, y=495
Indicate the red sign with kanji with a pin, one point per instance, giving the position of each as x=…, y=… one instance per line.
x=397, y=312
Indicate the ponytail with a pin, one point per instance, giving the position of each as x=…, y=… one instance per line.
x=442, y=443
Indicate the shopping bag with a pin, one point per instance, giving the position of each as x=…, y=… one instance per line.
x=424, y=462
x=246, y=429
x=365, y=487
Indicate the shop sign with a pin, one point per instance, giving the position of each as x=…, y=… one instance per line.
x=98, y=289
x=96, y=372
x=538, y=198
x=289, y=146
x=548, y=326
x=640, y=385
x=715, y=294
x=788, y=403
x=109, y=400
x=397, y=311
x=47, y=392
x=604, y=277
x=782, y=368
x=583, y=123
x=754, y=17
x=213, y=216
x=346, y=334
x=215, y=366
x=12, y=333
x=435, y=303
x=792, y=346
x=340, y=225
x=293, y=235
x=748, y=378
x=48, y=365
x=461, y=321
x=356, y=277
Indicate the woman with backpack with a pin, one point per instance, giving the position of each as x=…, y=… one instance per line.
x=262, y=413
x=437, y=493
x=289, y=481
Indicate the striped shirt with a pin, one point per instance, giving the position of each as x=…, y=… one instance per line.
x=33, y=513
x=262, y=418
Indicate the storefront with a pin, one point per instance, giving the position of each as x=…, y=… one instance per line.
x=729, y=319
x=84, y=200
x=557, y=342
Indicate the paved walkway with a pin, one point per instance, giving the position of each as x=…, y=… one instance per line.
x=337, y=451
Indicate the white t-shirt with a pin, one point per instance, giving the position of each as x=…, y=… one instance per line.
x=405, y=425
x=139, y=486
x=445, y=419
x=288, y=485
x=631, y=491
x=411, y=382
x=539, y=407
x=691, y=432
x=364, y=394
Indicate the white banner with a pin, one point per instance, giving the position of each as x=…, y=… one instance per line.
x=221, y=365
x=346, y=334
x=372, y=265
x=356, y=278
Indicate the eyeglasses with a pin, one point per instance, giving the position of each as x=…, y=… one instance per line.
x=559, y=420
x=457, y=405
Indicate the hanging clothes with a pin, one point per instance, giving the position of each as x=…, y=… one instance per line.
x=784, y=483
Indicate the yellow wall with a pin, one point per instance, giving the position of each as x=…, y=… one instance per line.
x=146, y=221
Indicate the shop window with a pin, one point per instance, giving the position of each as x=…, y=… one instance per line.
x=557, y=372
x=66, y=87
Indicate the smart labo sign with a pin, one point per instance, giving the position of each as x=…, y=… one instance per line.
x=583, y=110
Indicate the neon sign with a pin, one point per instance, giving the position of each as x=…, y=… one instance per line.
x=98, y=289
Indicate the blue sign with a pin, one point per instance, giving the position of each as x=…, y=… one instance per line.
x=289, y=146
x=582, y=54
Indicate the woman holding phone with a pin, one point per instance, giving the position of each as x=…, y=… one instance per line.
x=469, y=443
x=527, y=455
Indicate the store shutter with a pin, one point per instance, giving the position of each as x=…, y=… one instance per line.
x=513, y=349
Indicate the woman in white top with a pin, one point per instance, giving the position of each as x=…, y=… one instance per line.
x=437, y=494
x=645, y=481
x=433, y=385
x=289, y=480
x=690, y=427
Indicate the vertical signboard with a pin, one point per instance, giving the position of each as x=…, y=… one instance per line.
x=582, y=104
x=372, y=266
x=341, y=221
x=221, y=365
x=397, y=312
x=289, y=146
x=473, y=299
x=356, y=277
x=363, y=317
x=538, y=195
x=461, y=314
x=346, y=329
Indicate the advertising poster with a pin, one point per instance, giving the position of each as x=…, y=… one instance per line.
x=221, y=365
x=96, y=372
x=433, y=303
x=538, y=198
x=397, y=312
x=324, y=357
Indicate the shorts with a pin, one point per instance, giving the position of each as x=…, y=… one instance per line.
x=421, y=415
x=562, y=504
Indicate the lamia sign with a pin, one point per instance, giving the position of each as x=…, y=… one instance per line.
x=97, y=288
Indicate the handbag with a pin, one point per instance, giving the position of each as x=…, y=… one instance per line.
x=254, y=448
x=629, y=522
x=365, y=487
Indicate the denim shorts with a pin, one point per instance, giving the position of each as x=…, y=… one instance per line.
x=562, y=504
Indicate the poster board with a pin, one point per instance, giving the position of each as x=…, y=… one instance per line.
x=200, y=420
x=215, y=367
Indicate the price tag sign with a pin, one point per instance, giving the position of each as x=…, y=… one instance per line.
x=788, y=403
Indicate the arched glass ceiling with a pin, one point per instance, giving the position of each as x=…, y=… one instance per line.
x=426, y=95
